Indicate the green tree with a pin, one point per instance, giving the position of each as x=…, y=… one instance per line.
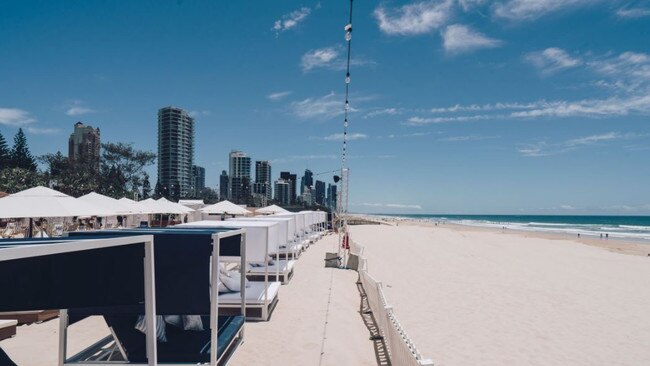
x=146, y=187
x=5, y=153
x=20, y=155
x=74, y=178
x=14, y=180
x=158, y=191
x=122, y=168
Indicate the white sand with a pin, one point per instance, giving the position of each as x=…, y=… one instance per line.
x=295, y=335
x=485, y=298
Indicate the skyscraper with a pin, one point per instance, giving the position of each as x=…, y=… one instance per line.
x=83, y=145
x=291, y=179
x=240, y=177
x=262, y=183
x=282, y=190
x=224, y=185
x=319, y=195
x=175, y=151
x=198, y=173
x=307, y=181
x=331, y=196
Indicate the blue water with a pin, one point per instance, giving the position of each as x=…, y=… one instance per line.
x=627, y=227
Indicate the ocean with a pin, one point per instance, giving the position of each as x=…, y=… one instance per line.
x=624, y=227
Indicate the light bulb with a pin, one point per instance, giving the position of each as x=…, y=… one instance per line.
x=348, y=36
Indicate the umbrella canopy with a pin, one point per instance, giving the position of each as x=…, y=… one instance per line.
x=109, y=203
x=269, y=210
x=174, y=206
x=139, y=207
x=45, y=202
x=225, y=207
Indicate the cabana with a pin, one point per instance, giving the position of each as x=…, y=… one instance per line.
x=301, y=228
x=187, y=263
x=281, y=269
x=261, y=242
x=111, y=204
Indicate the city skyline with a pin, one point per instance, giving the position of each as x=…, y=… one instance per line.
x=474, y=106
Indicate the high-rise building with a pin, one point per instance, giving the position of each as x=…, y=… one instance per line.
x=175, y=151
x=319, y=192
x=83, y=145
x=198, y=173
x=282, y=190
x=224, y=185
x=331, y=196
x=291, y=179
x=262, y=183
x=240, y=177
x=307, y=181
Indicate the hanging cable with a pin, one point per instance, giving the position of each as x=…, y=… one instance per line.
x=342, y=206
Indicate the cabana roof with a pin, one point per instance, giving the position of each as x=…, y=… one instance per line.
x=268, y=210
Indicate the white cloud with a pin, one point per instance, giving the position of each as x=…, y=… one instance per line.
x=467, y=138
x=329, y=58
x=351, y=137
x=543, y=148
x=389, y=205
x=43, y=131
x=552, y=60
x=381, y=112
x=15, y=117
x=567, y=207
x=199, y=113
x=78, y=111
x=416, y=18
x=458, y=38
x=290, y=20
x=614, y=106
x=470, y=4
x=278, y=95
x=518, y=10
x=322, y=57
x=633, y=13
x=417, y=121
x=325, y=107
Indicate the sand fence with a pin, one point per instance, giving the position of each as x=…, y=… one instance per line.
x=401, y=349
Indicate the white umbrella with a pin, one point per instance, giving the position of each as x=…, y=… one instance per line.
x=139, y=207
x=45, y=202
x=269, y=210
x=174, y=206
x=225, y=207
x=109, y=203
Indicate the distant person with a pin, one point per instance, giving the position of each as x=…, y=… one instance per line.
x=606, y=235
x=185, y=219
x=578, y=235
x=601, y=235
x=223, y=216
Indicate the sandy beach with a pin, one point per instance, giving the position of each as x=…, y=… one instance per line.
x=471, y=296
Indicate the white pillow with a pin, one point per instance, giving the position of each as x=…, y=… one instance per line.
x=233, y=281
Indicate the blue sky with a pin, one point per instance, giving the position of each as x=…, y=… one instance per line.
x=459, y=106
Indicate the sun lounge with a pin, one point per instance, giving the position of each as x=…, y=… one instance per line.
x=261, y=242
x=30, y=317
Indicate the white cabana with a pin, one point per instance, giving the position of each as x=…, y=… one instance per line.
x=225, y=207
x=138, y=206
x=45, y=202
x=270, y=210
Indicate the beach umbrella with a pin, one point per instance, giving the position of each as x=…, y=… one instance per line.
x=225, y=207
x=45, y=202
x=109, y=203
x=139, y=207
x=269, y=210
x=178, y=208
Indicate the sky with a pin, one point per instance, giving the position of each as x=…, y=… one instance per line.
x=458, y=106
